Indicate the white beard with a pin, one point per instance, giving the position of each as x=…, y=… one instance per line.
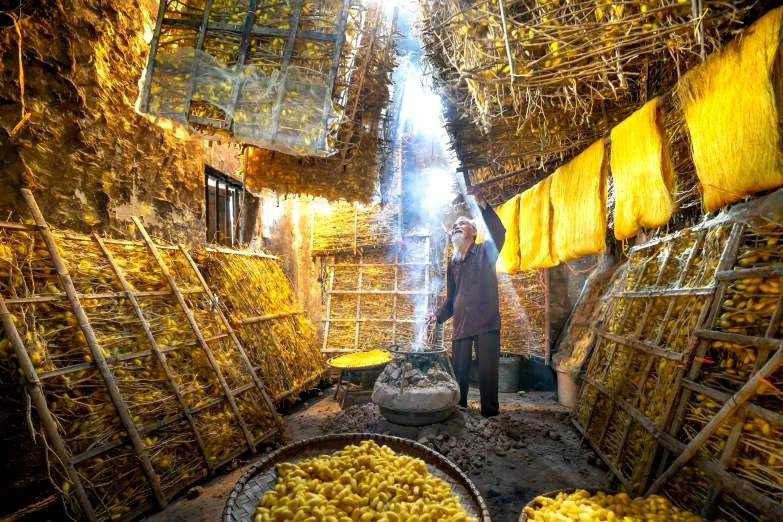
x=457, y=242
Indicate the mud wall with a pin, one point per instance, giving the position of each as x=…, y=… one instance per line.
x=91, y=161
x=285, y=231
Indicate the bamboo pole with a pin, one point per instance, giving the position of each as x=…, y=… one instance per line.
x=233, y=335
x=268, y=317
x=547, y=326
x=155, y=349
x=328, y=306
x=394, y=297
x=358, y=305
x=728, y=258
x=197, y=332
x=735, y=401
x=39, y=402
x=95, y=350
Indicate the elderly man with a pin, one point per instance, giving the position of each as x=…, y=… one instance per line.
x=472, y=300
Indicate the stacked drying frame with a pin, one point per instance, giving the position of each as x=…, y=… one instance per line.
x=258, y=301
x=140, y=383
x=261, y=71
x=360, y=142
x=377, y=297
x=687, y=309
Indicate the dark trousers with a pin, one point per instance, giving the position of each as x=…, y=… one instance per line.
x=488, y=360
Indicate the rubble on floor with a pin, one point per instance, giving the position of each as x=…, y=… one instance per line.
x=356, y=419
x=466, y=437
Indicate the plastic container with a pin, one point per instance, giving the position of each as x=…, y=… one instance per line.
x=567, y=390
x=508, y=374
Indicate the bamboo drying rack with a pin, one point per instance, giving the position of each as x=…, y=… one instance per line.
x=395, y=318
x=172, y=17
x=36, y=381
x=611, y=405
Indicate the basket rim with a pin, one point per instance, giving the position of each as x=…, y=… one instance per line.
x=553, y=494
x=278, y=454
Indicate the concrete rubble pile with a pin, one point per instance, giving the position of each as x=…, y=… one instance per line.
x=465, y=438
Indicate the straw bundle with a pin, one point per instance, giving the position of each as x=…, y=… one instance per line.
x=508, y=260
x=536, y=247
x=578, y=195
x=730, y=108
x=642, y=172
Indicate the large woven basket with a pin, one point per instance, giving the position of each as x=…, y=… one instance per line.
x=260, y=478
x=553, y=494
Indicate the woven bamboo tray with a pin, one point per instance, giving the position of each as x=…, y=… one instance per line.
x=553, y=494
x=260, y=478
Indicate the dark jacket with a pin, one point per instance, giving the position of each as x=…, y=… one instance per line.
x=472, y=285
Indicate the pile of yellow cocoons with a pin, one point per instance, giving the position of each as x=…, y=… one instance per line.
x=359, y=359
x=580, y=506
x=360, y=483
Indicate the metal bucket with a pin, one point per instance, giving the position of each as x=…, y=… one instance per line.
x=508, y=374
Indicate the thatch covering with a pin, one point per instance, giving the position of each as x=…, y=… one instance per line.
x=94, y=159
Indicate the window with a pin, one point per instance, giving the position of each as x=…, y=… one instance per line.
x=224, y=198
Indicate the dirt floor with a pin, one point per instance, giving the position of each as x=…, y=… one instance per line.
x=531, y=449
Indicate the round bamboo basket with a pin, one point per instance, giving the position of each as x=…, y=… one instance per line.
x=357, y=368
x=553, y=494
x=261, y=477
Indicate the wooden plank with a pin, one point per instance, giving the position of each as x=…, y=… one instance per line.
x=233, y=335
x=640, y=345
x=155, y=349
x=42, y=408
x=197, y=332
x=95, y=350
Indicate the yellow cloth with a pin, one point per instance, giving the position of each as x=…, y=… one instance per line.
x=578, y=195
x=508, y=212
x=642, y=172
x=732, y=117
x=536, y=247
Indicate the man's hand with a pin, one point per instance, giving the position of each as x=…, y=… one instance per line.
x=478, y=195
x=431, y=318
